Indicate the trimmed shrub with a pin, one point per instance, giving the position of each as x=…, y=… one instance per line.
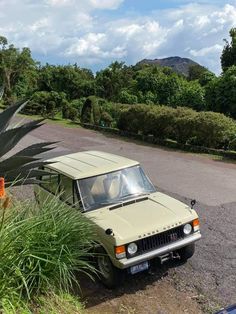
x=78, y=104
x=184, y=126
x=47, y=104
x=115, y=110
x=159, y=121
x=91, y=111
x=106, y=119
x=132, y=119
x=70, y=113
x=214, y=129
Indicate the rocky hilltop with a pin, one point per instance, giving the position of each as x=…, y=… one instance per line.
x=178, y=64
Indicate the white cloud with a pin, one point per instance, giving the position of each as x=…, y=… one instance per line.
x=75, y=31
x=59, y=3
x=88, y=45
x=93, y=46
x=40, y=24
x=206, y=51
x=105, y=4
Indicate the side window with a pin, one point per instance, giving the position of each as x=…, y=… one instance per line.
x=50, y=181
x=66, y=189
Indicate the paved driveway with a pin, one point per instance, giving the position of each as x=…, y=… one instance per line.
x=210, y=182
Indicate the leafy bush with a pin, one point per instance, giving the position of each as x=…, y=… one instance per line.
x=47, y=104
x=41, y=249
x=184, y=125
x=214, y=129
x=78, y=104
x=127, y=98
x=114, y=110
x=69, y=112
x=192, y=95
x=159, y=121
x=132, y=119
x=232, y=144
x=106, y=119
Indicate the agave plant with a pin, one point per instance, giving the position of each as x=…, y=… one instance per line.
x=21, y=167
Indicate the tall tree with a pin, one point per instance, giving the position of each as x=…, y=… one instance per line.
x=69, y=79
x=15, y=64
x=228, y=57
x=111, y=80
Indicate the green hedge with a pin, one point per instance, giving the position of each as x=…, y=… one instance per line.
x=184, y=125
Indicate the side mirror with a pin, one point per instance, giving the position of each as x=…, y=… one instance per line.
x=109, y=231
x=193, y=202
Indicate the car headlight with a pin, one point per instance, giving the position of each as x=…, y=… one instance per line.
x=187, y=229
x=132, y=248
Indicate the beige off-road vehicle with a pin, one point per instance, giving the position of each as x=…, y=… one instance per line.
x=134, y=222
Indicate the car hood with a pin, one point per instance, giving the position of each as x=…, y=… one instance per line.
x=142, y=217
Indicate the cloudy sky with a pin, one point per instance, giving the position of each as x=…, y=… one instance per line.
x=94, y=33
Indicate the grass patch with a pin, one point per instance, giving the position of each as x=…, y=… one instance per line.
x=60, y=303
x=58, y=120
x=50, y=303
x=41, y=249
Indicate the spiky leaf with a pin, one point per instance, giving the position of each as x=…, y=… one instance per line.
x=27, y=174
x=22, y=182
x=7, y=114
x=21, y=167
x=14, y=162
x=11, y=137
x=35, y=149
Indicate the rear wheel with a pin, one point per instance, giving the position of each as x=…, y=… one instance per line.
x=109, y=275
x=187, y=252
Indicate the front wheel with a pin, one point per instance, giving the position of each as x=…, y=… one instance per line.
x=187, y=252
x=109, y=275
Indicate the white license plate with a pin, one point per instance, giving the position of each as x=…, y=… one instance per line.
x=138, y=268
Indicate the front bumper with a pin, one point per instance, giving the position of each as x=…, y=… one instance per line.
x=125, y=263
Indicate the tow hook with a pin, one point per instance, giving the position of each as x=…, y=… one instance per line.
x=168, y=256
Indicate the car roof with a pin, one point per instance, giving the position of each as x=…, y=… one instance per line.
x=89, y=163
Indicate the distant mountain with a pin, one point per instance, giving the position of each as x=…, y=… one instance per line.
x=178, y=64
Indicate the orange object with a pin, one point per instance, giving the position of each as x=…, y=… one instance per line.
x=196, y=222
x=120, y=249
x=2, y=188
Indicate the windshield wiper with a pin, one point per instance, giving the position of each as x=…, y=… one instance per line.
x=120, y=200
x=135, y=195
x=108, y=203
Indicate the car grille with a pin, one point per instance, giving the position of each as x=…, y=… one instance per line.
x=158, y=240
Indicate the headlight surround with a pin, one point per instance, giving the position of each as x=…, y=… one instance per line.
x=132, y=248
x=187, y=229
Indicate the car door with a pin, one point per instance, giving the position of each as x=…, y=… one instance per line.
x=69, y=192
x=48, y=186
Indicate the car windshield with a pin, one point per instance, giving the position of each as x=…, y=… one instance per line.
x=114, y=187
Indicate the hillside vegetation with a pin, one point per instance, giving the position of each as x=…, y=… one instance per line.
x=67, y=90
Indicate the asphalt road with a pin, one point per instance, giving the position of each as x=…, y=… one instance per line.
x=212, y=270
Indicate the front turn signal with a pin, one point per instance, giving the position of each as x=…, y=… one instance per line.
x=120, y=251
x=196, y=224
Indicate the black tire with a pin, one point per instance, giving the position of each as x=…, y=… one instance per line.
x=187, y=252
x=108, y=274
